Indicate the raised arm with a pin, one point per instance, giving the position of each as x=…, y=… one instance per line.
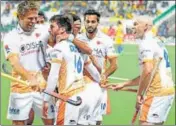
x=82, y=46
x=56, y=60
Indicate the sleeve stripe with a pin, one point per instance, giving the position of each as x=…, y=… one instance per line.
x=56, y=61
x=147, y=60
x=112, y=56
x=11, y=54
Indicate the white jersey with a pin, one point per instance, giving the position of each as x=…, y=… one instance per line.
x=72, y=63
x=28, y=47
x=150, y=49
x=48, y=53
x=67, y=69
x=102, y=46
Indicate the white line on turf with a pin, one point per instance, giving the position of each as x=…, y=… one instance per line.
x=118, y=78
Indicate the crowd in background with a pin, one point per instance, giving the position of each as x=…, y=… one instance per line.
x=121, y=10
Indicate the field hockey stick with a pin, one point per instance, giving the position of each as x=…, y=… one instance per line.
x=76, y=103
x=143, y=93
x=65, y=99
x=14, y=79
x=43, y=53
x=71, y=88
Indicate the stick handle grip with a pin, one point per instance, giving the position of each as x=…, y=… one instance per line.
x=14, y=79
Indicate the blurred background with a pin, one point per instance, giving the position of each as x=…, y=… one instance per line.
x=115, y=16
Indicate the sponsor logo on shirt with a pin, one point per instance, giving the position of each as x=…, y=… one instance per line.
x=30, y=48
x=98, y=42
x=37, y=35
x=98, y=52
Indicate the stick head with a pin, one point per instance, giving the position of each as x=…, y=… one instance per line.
x=75, y=103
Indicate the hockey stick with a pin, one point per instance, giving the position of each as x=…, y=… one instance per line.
x=76, y=103
x=54, y=94
x=43, y=53
x=65, y=99
x=143, y=93
x=14, y=79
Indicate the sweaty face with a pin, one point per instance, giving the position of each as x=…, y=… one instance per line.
x=91, y=23
x=28, y=20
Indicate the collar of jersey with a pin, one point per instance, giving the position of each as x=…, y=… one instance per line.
x=21, y=31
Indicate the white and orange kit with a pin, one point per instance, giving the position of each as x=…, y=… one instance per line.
x=66, y=72
x=102, y=46
x=27, y=46
x=160, y=94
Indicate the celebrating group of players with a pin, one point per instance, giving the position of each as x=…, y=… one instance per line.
x=60, y=57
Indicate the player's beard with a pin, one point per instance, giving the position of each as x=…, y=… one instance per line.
x=91, y=30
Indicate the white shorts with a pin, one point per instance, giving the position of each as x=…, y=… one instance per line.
x=68, y=114
x=156, y=109
x=21, y=104
x=98, y=114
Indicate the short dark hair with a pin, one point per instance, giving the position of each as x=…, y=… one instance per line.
x=62, y=21
x=43, y=15
x=76, y=17
x=92, y=12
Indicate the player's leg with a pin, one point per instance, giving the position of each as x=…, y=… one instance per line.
x=104, y=107
x=67, y=114
x=77, y=115
x=155, y=109
x=31, y=117
x=38, y=108
x=92, y=96
x=48, y=121
x=19, y=108
x=18, y=122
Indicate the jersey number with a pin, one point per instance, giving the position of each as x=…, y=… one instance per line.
x=166, y=58
x=78, y=64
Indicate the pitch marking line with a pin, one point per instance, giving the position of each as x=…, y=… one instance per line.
x=119, y=78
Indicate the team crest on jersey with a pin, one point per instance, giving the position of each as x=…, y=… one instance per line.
x=98, y=42
x=7, y=49
x=37, y=35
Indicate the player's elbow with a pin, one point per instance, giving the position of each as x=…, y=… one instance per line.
x=114, y=67
x=147, y=71
x=88, y=51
